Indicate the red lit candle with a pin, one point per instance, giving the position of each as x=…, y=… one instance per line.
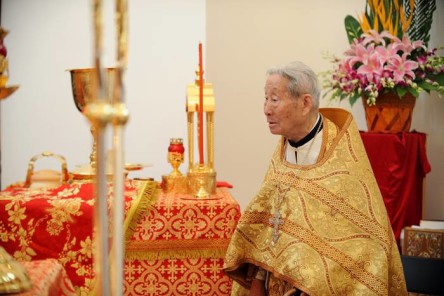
x=200, y=128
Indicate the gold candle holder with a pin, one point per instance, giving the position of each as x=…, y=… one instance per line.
x=201, y=176
x=202, y=181
x=175, y=182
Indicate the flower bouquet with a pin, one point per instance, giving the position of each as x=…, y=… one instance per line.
x=380, y=62
x=383, y=58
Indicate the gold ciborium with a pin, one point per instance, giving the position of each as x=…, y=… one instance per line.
x=85, y=88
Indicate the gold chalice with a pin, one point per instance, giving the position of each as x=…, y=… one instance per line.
x=85, y=89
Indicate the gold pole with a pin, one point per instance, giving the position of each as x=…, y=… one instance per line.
x=210, y=140
x=119, y=120
x=98, y=113
x=190, y=141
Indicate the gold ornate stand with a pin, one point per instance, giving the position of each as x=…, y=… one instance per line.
x=202, y=181
x=201, y=176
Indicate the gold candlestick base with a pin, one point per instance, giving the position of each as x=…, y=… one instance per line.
x=201, y=181
x=175, y=184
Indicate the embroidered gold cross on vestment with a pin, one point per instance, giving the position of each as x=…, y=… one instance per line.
x=276, y=221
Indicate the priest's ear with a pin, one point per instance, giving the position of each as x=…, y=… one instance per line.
x=307, y=102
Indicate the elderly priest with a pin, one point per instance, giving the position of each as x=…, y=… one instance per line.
x=318, y=225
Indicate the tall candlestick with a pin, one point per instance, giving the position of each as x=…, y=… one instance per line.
x=201, y=155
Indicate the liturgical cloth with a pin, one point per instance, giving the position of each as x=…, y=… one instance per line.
x=400, y=170
x=175, y=243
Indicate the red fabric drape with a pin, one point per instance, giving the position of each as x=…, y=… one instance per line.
x=400, y=163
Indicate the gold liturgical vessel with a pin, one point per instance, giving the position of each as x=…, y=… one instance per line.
x=201, y=178
x=13, y=276
x=175, y=182
x=84, y=91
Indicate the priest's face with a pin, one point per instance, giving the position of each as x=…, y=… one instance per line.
x=286, y=115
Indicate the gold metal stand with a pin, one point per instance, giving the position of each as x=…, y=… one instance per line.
x=202, y=181
x=201, y=176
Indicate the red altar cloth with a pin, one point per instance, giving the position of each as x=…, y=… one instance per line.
x=400, y=163
x=175, y=244
x=179, y=246
x=37, y=224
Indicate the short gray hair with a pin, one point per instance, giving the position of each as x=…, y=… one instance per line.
x=302, y=79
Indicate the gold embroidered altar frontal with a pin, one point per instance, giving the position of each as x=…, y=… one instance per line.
x=178, y=247
x=175, y=244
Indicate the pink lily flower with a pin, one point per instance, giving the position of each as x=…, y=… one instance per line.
x=402, y=67
x=373, y=68
x=374, y=36
x=406, y=45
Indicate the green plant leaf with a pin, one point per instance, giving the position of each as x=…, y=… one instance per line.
x=422, y=19
x=352, y=28
x=401, y=91
x=438, y=78
x=426, y=86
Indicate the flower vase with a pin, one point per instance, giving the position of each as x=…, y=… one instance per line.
x=390, y=114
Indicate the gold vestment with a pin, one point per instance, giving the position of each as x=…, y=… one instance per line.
x=335, y=237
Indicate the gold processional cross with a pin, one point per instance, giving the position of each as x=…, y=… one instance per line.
x=276, y=221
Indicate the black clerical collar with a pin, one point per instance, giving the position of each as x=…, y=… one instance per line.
x=317, y=128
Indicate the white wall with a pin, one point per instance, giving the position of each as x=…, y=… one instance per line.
x=241, y=40
x=49, y=36
x=246, y=37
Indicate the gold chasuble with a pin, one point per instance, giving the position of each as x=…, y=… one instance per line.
x=321, y=228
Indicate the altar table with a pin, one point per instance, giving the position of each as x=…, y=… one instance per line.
x=399, y=162
x=175, y=243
